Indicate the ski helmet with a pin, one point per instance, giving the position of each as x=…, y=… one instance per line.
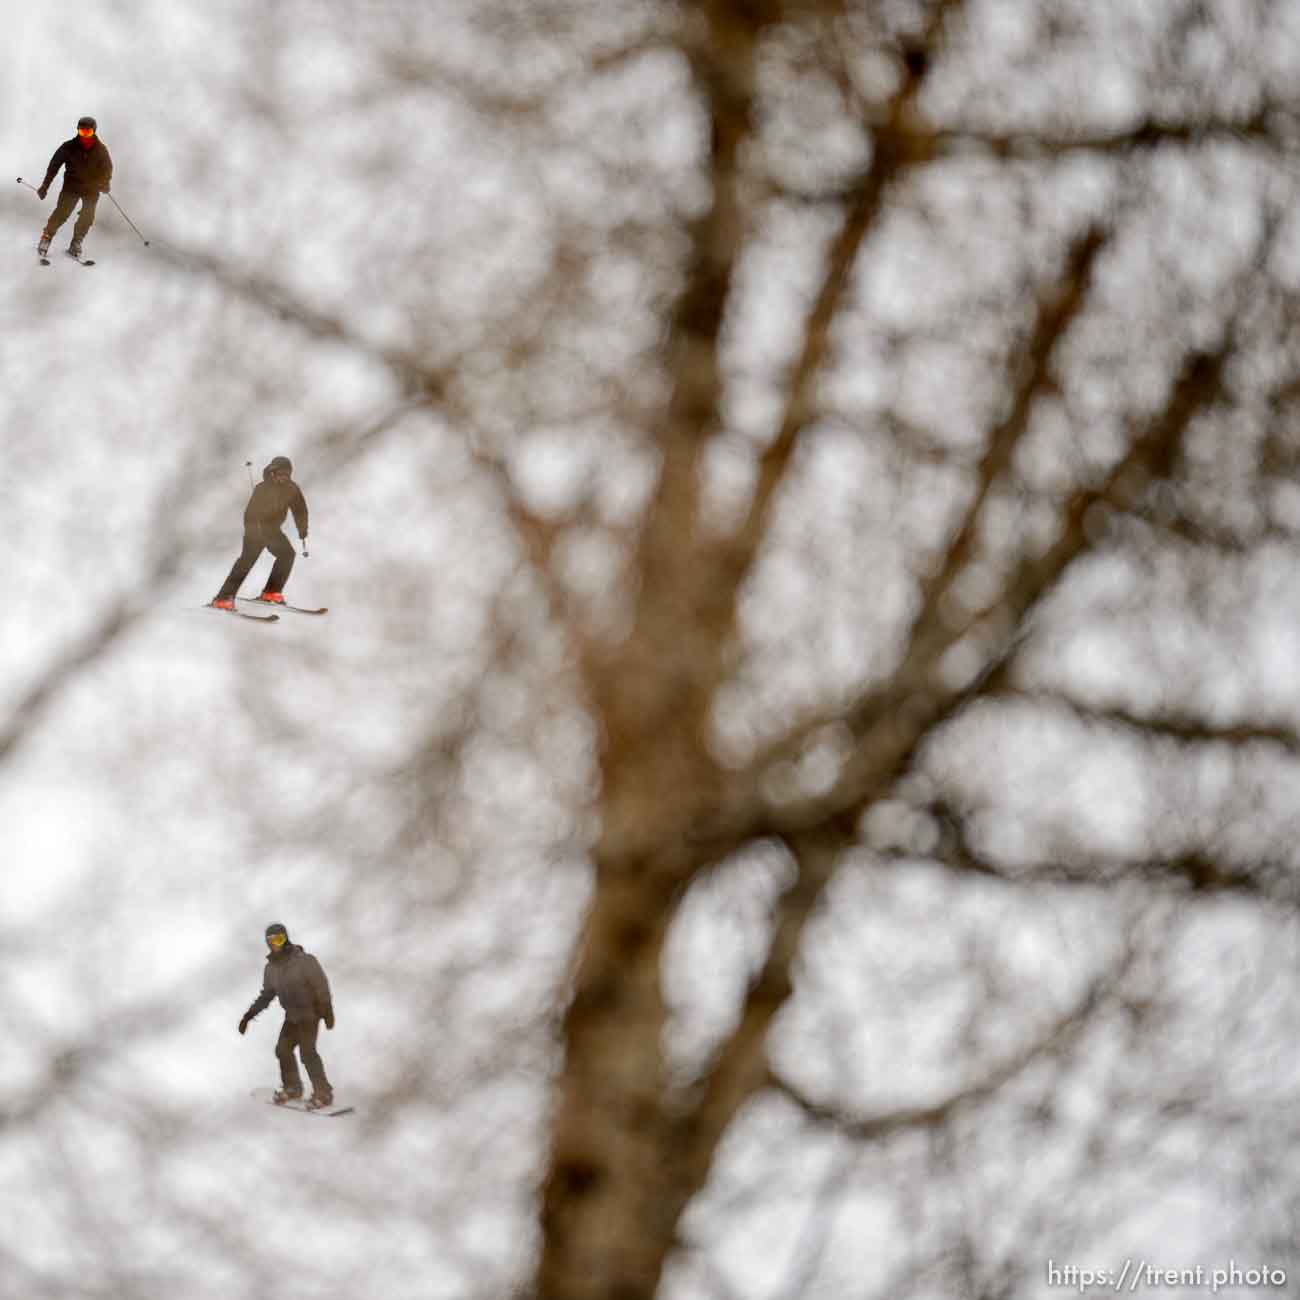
x=274, y=931
x=280, y=463
x=88, y=121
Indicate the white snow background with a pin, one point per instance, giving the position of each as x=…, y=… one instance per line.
x=197, y=776
x=182, y=789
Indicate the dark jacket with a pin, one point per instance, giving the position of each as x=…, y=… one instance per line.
x=89, y=171
x=271, y=501
x=298, y=980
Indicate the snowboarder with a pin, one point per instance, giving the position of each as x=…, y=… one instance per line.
x=271, y=501
x=298, y=980
x=88, y=172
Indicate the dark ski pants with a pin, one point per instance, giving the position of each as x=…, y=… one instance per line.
x=302, y=1035
x=63, y=210
x=266, y=539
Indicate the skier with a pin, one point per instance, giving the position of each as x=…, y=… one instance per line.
x=298, y=980
x=88, y=171
x=271, y=501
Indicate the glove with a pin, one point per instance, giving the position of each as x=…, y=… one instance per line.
x=40, y=194
x=329, y=1021
x=243, y=1025
x=104, y=190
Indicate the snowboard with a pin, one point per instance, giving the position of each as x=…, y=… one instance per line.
x=329, y=1112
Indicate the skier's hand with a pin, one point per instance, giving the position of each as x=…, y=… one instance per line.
x=243, y=1026
x=329, y=1021
x=40, y=194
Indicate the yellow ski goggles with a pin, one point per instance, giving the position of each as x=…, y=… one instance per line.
x=277, y=940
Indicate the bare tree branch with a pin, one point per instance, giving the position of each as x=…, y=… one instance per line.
x=1271, y=883
x=1185, y=728
x=886, y=728
x=1058, y=1039
x=1260, y=127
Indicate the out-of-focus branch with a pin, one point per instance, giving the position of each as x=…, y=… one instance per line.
x=1054, y=321
x=1186, y=728
x=1261, y=126
x=412, y=370
x=608, y=1218
x=900, y=141
x=64, y=668
x=886, y=727
x=405, y=70
x=1273, y=883
x=1057, y=1040
x=120, y=614
x=652, y=692
x=104, y=1040
x=946, y=143
x=739, y=1070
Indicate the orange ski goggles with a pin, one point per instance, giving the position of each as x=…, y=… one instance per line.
x=85, y=130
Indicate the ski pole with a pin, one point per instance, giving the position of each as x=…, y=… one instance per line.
x=127, y=219
x=30, y=186
x=248, y=465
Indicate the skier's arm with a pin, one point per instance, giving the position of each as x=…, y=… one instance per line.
x=320, y=988
x=52, y=170
x=263, y=999
x=260, y=1003
x=299, y=507
x=108, y=171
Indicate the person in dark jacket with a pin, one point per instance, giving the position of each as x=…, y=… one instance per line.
x=271, y=501
x=87, y=173
x=298, y=980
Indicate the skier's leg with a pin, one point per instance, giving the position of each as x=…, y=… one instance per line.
x=62, y=211
x=85, y=219
x=307, y=1032
x=253, y=546
x=282, y=548
x=284, y=1046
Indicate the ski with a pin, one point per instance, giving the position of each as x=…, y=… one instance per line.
x=300, y=1105
x=275, y=604
x=76, y=257
x=239, y=613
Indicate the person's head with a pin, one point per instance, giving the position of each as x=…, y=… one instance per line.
x=280, y=469
x=277, y=937
x=86, y=129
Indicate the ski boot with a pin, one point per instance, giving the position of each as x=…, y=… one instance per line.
x=272, y=598
x=227, y=603
x=282, y=1095
x=319, y=1100
x=74, y=249
x=44, y=246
